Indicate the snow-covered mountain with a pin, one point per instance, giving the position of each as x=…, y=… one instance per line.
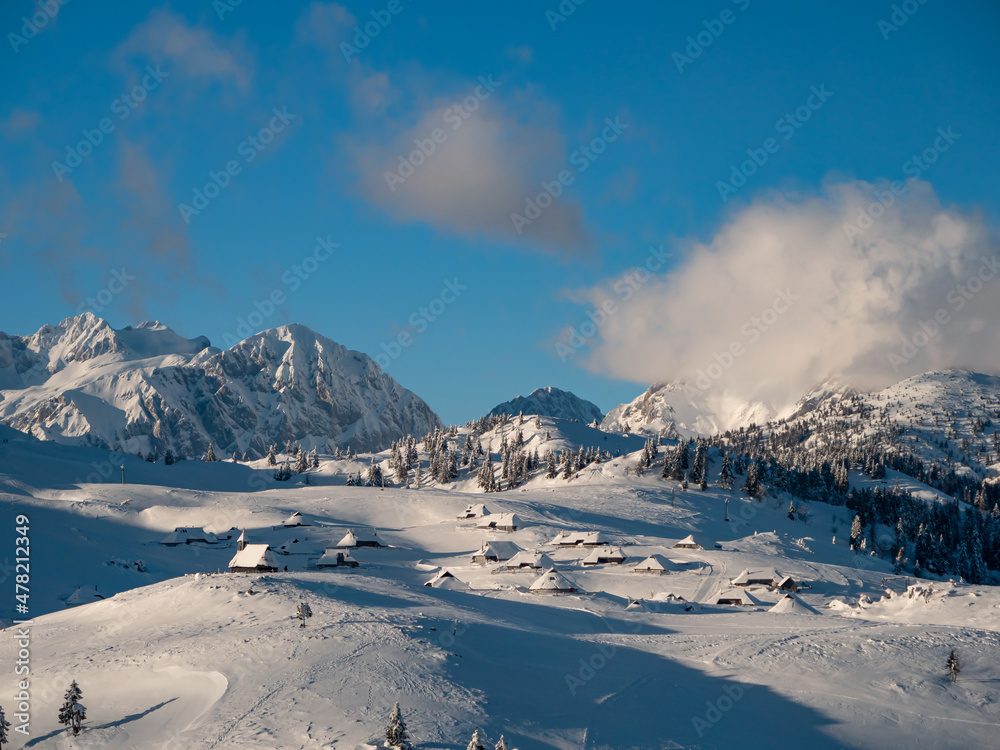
x=947, y=420
x=551, y=402
x=667, y=410
x=146, y=388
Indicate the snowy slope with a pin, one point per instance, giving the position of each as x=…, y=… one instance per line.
x=551, y=402
x=147, y=388
x=195, y=661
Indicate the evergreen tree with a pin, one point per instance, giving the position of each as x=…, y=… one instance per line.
x=954, y=665
x=726, y=472
x=303, y=613
x=210, y=454
x=4, y=726
x=752, y=484
x=301, y=463
x=283, y=473
x=502, y=743
x=478, y=741
x=168, y=458
x=396, y=735
x=314, y=458
x=73, y=712
x=857, y=534
x=550, y=465
x=374, y=474
x=271, y=459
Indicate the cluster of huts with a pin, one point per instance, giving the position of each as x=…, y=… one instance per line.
x=741, y=589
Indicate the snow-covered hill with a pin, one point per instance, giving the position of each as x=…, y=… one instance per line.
x=947, y=419
x=146, y=388
x=180, y=655
x=551, y=402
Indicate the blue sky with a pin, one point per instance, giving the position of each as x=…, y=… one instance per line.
x=514, y=92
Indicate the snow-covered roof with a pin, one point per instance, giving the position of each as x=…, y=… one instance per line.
x=353, y=538
x=528, y=559
x=654, y=562
x=604, y=555
x=505, y=520
x=254, y=556
x=789, y=604
x=767, y=576
x=571, y=538
x=330, y=557
x=552, y=580
x=475, y=510
x=500, y=550
x=447, y=580
x=687, y=542
x=185, y=534
x=294, y=520
x=742, y=596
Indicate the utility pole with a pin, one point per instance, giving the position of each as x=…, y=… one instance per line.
x=123, y=473
x=727, y=510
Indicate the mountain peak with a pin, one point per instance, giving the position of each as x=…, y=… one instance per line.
x=551, y=402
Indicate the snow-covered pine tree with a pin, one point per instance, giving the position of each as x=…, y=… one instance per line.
x=314, y=458
x=210, y=454
x=73, y=712
x=954, y=665
x=4, y=726
x=374, y=474
x=857, y=533
x=396, y=736
x=168, y=458
x=752, y=484
x=502, y=743
x=271, y=459
x=726, y=472
x=301, y=463
x=550, y=464
x=303, y=613
x=478, y=741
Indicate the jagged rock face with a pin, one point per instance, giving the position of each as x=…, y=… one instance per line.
x=146, y=388
x=551, y=402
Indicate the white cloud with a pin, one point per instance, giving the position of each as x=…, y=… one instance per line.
x=495, y=153
x=197, y=53
x=856, y=301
